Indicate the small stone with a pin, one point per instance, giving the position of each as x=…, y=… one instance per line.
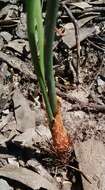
x=67, y=185
x=6, y=112
x=4, y=185
x=13, y=162
x=6, y=36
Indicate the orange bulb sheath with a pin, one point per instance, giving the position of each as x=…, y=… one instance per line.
x=61, y=140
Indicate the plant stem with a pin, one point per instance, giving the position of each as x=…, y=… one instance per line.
x=35, y=30
x=31, y=25
x=45, y=96
x=40, y=33
x=51, y=15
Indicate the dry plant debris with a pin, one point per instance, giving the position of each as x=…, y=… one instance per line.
x=27, y=157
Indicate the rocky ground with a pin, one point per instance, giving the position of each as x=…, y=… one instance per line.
x=26, y=159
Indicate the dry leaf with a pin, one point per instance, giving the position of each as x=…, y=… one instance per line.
x=27, y=177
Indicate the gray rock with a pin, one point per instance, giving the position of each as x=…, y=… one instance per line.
x=6, y=36
x=4, y=185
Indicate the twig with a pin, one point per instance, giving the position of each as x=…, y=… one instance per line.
x=79, y=105
x=75, y=23
x=78, y=170
x=96, y=46
x=100, y=38
x=94, y=108
x=99, y=70
x=68, y=98
x=99, y=19
x=95, y=9
x=5, y=121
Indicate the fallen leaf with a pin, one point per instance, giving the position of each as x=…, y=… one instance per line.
x=25, y=117
x=27, y=177
x=25, y=139
x=17, y=63
x=18, y=45
x=91, y=157
x=81, y=5
x=33, y=136
x=5, y=120
x=81, y=22
x=69, y=38
x=36, y=166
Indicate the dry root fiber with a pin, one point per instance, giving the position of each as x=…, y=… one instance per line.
x=61, y=140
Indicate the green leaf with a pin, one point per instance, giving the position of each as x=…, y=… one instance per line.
x=51, y=15
x=35, y=29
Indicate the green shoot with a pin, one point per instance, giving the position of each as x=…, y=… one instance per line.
x=41, y=42
x=52, y=9
x=35, y=28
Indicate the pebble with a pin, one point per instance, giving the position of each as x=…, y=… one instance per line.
x=4, y=185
